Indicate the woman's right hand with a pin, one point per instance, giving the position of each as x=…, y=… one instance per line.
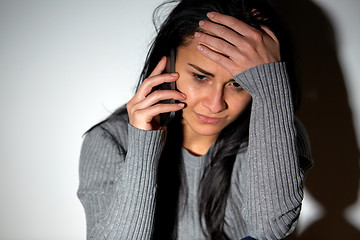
x=143, y=109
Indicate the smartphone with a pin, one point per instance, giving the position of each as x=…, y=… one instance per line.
x=165, y=118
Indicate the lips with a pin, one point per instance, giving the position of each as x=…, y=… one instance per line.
x=209, y=120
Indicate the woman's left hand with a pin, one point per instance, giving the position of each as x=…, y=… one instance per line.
x=238, y=46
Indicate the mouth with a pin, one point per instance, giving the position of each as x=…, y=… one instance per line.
x=209, y=120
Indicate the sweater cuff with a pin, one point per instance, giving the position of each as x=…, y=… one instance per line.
x=260, y=79
x=145, y=148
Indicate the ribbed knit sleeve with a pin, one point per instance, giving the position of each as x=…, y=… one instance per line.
x=118, y=183
x=271, y=178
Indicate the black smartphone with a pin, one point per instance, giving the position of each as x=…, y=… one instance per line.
x=165, y=118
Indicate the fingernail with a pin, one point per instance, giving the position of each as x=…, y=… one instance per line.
x=183, y=95
x=181, y=105
x=201, y=48
x=201, y=23
x=197, y=35
x=210, y=15
x=174, y=74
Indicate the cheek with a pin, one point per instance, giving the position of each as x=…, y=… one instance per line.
x=191, y=91
x=238, y=105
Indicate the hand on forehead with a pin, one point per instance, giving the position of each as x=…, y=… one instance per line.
x=236, y=45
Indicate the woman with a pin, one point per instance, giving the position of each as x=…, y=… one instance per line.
x=232, y=162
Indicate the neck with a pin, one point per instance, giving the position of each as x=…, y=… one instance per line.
x=197, y=144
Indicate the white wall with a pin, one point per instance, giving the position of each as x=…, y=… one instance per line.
x=65, y=65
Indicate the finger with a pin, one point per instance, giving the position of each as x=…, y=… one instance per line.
x=142, y=118
x=148, y=84
x=270, y=33
x=159, y=95
x=221, y=31
x=217, y=57
x=160, y=67
x=233, y=23
x=147, y=114
x=161, y=108
x=258, y=16
x=151, y=82
x=217, y=44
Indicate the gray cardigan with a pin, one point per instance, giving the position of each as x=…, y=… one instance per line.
x=118, y=171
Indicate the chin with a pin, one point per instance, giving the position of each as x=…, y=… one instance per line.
x=203, y=129
x=207, y=130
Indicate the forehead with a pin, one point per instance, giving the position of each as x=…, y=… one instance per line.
x=189, y=54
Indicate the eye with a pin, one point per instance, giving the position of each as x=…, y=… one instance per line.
x=199, y=77
x=235, y=85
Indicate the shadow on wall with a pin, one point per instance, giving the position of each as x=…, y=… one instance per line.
x=334, y=179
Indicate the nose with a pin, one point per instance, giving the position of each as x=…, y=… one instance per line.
x=214, y=100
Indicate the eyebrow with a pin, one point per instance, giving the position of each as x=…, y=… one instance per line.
x=201, y=70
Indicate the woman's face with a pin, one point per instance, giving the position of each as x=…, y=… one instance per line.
x=213, y=98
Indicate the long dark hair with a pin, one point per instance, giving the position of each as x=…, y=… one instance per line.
x=176, y=29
